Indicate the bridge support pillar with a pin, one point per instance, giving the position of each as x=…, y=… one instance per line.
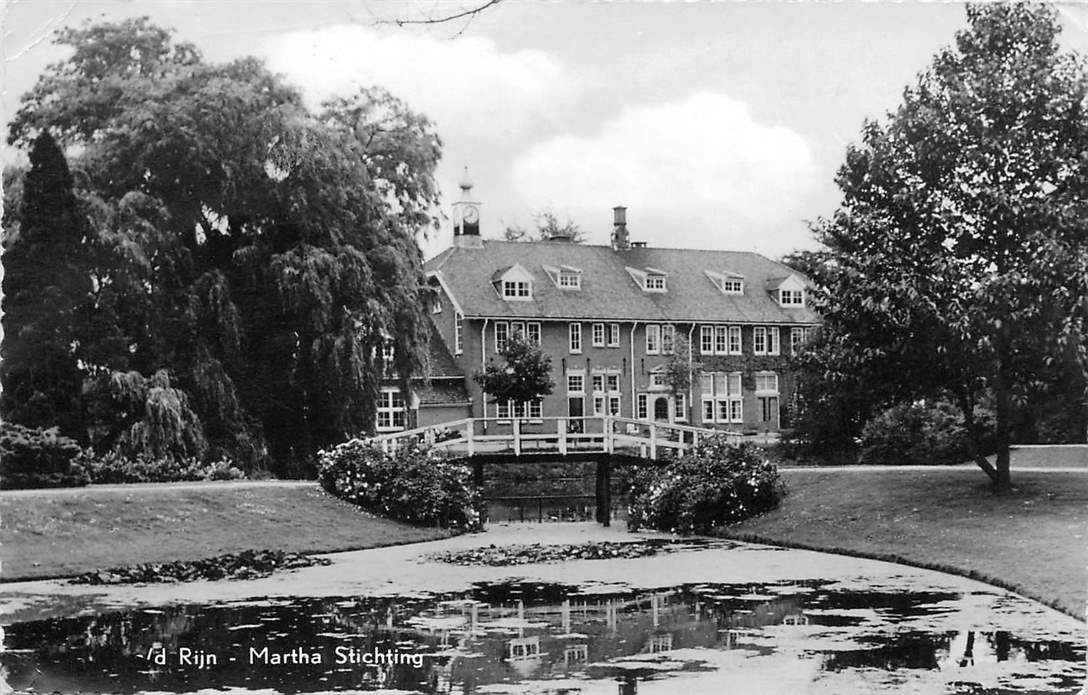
x=604, y=490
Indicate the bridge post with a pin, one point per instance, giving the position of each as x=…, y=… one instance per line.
x=609, y=441
x=470, y=435
x=653, y=441
x=517, y=437
x=561, y=426
x=604, y=490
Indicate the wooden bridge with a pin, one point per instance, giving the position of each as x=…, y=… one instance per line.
x=605, y=439
x=562, y=436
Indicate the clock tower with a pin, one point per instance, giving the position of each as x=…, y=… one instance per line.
x=466, y=218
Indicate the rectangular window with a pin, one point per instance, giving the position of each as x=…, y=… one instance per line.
x=657, y=380
x=515, y=289
x=570, y=281
x=759, y=340
x=721, y=396
x=575, y=337
x=390, y=410
x=706, y=340
x=797, y=339
x=668, y=338
x=653, y=339
x=614, y=405
x=536, y=409
x=734, y=340
x=681, y=407
x=733, y=286
x=613, y=382
x=533, y=333
x=721, y=334
x=517, y=328
x=655, y=283
x=502, y=410
x=613, y=335
x=766, y=382
x=791, y=297
x=772, y=341
x=458, y=333
x=598, y=405
x=598, y=335
x=576, y=382
x=641, y=412
x=598, y=383
x=502, y=334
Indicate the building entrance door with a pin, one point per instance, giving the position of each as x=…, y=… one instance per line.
x=575, y=409
x=661, y=409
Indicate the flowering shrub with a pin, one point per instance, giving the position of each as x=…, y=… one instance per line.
x=717, y=482
x=415, y=484
x=922, y=433
x=33, y=458
x=117, y=468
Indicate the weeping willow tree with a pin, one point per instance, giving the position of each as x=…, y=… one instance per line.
x=251, y=256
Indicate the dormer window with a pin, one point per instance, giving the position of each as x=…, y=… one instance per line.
x=790, y=291
x=565, y=277
x=727, y=283
x=516, y=289
x=791, y=297
x=650, y=279
x=514, y=283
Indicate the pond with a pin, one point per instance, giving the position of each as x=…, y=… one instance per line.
x=519, y=636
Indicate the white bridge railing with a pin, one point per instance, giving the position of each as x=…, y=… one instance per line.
x=561, y=435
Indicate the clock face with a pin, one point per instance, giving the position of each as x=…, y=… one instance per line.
x=472, y=215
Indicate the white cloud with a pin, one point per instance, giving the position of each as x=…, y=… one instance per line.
x=696, y=173
x=467, y=86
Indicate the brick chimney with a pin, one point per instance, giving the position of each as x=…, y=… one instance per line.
x=621, y=240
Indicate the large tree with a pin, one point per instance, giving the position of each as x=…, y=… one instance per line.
x=46, y=281
x=255, y=255
x=957, y=253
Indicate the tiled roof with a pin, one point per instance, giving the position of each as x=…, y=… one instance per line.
x=609, y=291
x=441, y=392
x=440, y=362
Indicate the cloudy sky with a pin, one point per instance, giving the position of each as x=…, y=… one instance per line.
x=718, y=124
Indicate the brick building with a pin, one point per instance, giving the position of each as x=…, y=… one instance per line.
x=610, y=317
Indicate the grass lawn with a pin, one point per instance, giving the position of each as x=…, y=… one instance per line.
x=1034, y=542
x=48, y=534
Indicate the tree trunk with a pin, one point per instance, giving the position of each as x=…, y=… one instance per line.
x=1002, y=484
x=974, y=449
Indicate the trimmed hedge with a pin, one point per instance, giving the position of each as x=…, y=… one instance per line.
x=414, y=484
x=717, y=482
x=116, y=468
x=922, y=434
x=38, y=458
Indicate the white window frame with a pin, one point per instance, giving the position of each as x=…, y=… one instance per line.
x=517, y=290
x=597, y=332
x=576, y=378
x=613, y=335
x=569, y=280
x=657, y=380
x=642, y=406
x=797, y=339
x=612, y=382
x=532, y=332
x=668, y=338
x=706, y=340
x=501, y=343
x=680, y=407
x=574, y=338
x=653, y=339
x=791, y=297
x=387, y=407
x=599, y=404
x=517, y=327
x=774, y=345
x=759, y=340
x=615, y=404
x=732, y=286
x=725, y=405
x=655, y=282
x=596, y=381
x=721, y=340
x=766, y=391
x=736, y=348
x=458, y=333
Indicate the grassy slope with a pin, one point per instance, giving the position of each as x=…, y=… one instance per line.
x=65, y=533
x=1034, y=542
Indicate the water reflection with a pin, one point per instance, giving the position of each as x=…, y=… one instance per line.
x=540, y=638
